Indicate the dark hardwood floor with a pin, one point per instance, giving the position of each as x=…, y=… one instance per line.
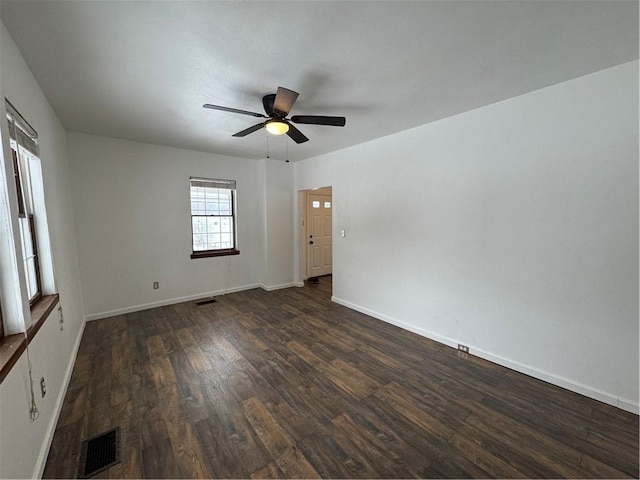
x=288, y=384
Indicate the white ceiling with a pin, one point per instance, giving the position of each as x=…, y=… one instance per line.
x=141, y=70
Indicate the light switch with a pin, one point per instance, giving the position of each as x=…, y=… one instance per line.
x=342, y=233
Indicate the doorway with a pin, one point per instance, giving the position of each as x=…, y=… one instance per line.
x=316, y=239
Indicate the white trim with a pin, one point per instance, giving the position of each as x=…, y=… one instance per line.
x=170, y=301
x=629, y=406
x=271, y=288
x=605, y=397
x=41, y=461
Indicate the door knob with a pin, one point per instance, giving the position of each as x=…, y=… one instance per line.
x=310, y=242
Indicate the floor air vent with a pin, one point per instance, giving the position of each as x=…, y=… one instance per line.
x=206, y=302
x=99, y=453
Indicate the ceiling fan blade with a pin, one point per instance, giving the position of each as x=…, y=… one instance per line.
x=296, y=135
x=319, y=120
x=285, y=99
x=233, y=110
x=267, y=103
x=249, y=130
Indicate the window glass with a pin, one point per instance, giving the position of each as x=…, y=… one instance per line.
x=24, y=149
x=213, y=217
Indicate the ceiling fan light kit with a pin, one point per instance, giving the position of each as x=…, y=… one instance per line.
x=276, y=127
x=277, y=106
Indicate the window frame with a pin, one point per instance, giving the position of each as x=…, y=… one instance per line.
x=25, y=207
x=218, y=252
x=36, y=260
x=1, y=323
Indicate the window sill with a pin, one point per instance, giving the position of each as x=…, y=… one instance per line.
x=215, y=253
x=12, y=346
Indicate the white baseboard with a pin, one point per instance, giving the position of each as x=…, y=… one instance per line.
x=271, y=288
x=51, y=429
x=605, y=397
x=170, y=301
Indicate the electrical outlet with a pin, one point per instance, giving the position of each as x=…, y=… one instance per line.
x=43, y=387
x=463, y=348
x=156, y=285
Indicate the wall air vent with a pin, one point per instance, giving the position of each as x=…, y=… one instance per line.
x=206, y=302
x=99, y=453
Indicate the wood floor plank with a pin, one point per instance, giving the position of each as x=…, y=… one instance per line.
x=187, y=449
x=529, y=461
x=151, y=425
x=484, y=459
x=197, y=358
x=344, y=451
x=377, y=455
x=287, y=384
x=270, y=470
x=163, y=374
x=278, y=443
x=273, y=437
x=395, y=396
x=572, y=431
x=456, y=466
x=295, y=465
x=450, y=413
x=404, y=454
x=552, y=452
x=155, y=346
x=185, y=338
x=593, y=468
x=65, y=452
x=158, y=460
x=131, y=466
x=231, y=447
x=612, y=453
x=430, y=446
x=74, y=409
x=343, y=375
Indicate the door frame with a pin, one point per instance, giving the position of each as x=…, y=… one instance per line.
x=303, y=197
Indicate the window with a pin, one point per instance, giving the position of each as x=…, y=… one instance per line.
x=24, y=150
x=26, y=250
x=213, y=221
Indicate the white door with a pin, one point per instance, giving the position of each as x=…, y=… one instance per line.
x=318, y=235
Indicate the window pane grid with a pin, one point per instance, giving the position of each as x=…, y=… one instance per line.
x=212, y=232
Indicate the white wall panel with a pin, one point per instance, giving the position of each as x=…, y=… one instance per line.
x=512, y=228
x=133, y=224
x=24, y=444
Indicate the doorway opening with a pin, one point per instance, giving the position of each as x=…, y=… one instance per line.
x=316, y=230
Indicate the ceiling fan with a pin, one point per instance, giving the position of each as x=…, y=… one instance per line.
x=277, y=106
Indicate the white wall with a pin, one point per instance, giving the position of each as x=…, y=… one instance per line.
x=133, y=225
x=278, y=202
x=512, y=228
x=23, y=443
